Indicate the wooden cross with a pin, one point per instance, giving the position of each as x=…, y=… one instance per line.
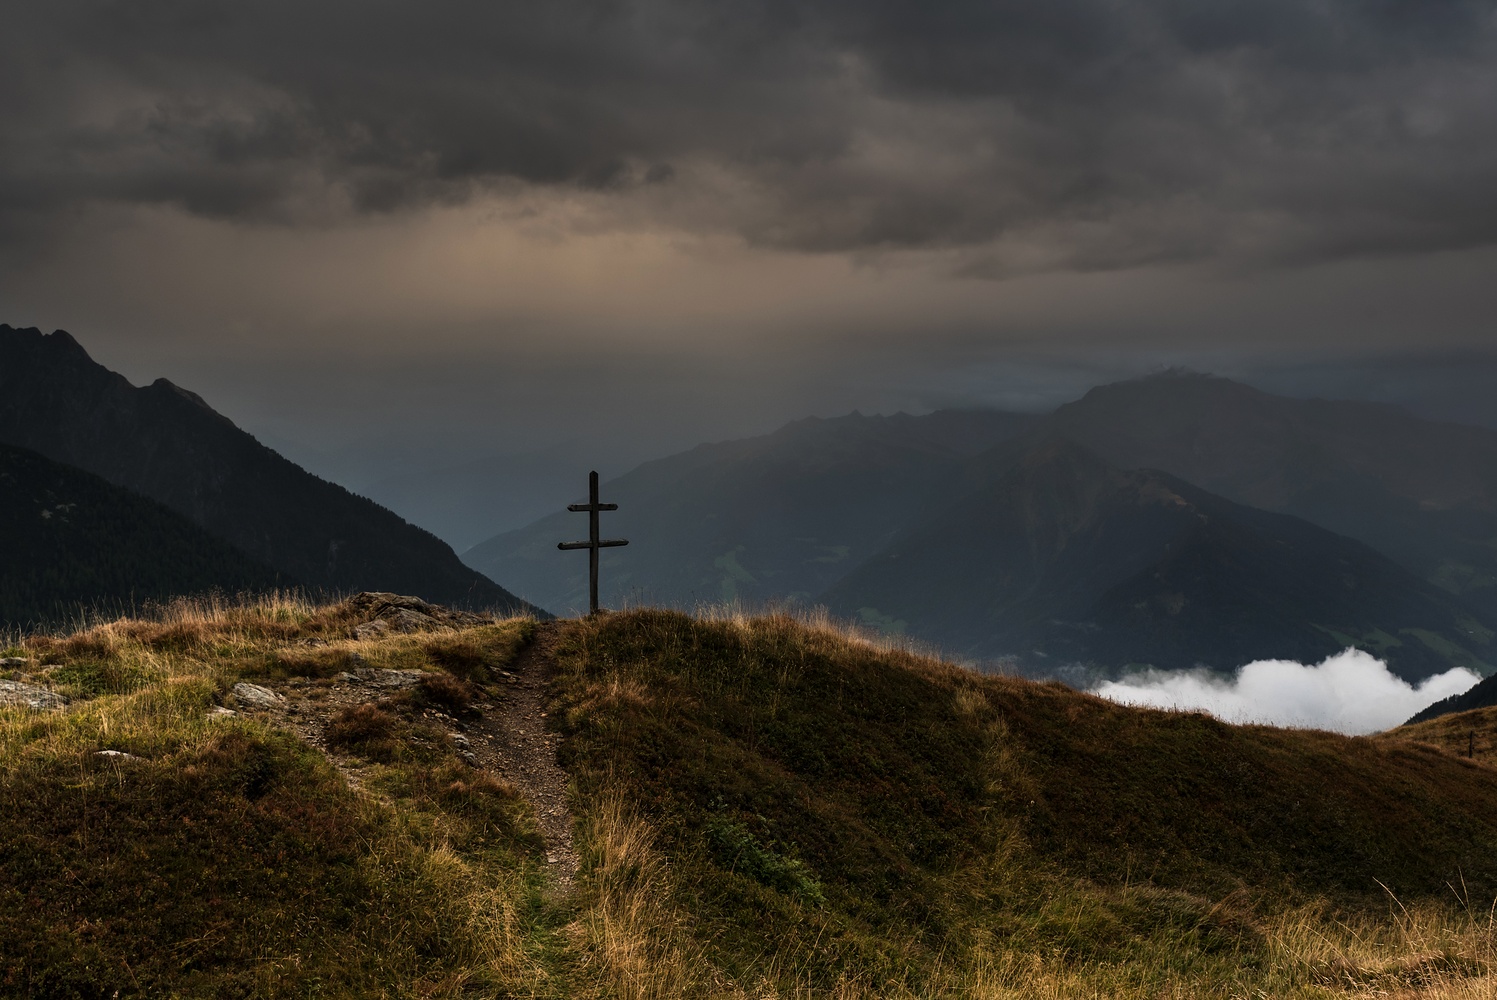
x=593, y=543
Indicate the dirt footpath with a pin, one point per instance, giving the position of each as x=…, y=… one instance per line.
x=507, y=738
x=518, y=749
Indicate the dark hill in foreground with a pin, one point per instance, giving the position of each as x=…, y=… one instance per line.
x=826, y=806
x=1481, y=695
x=166, y=443
x=1065, y=558
x=73, y=542
x=762, y=809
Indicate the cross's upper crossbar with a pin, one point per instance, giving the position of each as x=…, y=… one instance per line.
x=592, y=506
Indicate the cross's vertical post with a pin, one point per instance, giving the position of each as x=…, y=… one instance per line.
x=592, y=537
x=593, y=543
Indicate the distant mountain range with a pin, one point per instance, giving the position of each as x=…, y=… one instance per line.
x=167, y=444
x=1424, y=493
x=777, y=517
x=1068, y=559
x=468, y=503
x=73, y=542
x=1264, y=527
x=1173, y=521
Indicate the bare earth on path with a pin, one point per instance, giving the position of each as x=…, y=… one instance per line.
x=508, y=739
x=521, y=750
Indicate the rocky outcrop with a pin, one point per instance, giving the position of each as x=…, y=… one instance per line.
x=376, y=614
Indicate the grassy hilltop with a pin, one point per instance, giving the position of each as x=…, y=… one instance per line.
x=764, y=808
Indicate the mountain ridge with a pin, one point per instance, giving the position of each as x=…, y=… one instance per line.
x=75, y=543
x=167, y=443
x=808, y=498
x=1249, y=447
x=1068, y=557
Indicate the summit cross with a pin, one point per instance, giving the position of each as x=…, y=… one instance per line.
x=593, y=543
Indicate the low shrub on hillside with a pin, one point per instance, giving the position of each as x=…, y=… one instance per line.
x=449, y=692
x=478, y=654
x=366, y=729
x=739, y=851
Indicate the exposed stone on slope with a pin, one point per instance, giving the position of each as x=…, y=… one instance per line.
x=255, y=696
x=391, y=678
x=29, y=695
x=375, y=614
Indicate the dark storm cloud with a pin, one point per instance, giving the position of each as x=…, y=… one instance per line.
x=1068, y=133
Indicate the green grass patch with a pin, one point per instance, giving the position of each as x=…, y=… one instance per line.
x=955, y=825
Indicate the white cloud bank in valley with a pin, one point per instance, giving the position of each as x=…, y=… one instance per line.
x=1352, y=692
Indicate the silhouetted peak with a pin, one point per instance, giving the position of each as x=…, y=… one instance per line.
x=58, y=343
x=63, y=343
x=167, y=385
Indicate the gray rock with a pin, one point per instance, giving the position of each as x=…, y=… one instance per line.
x=408, y=620
x=116, y=754
x=29, y=695
x=256, y=696
x=371, y=630
x=393, y=678
x=409, y=614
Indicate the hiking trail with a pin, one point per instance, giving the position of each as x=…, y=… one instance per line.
x=507, y=738
x=518, y=748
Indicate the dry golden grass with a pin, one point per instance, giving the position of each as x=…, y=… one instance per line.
x=958, y=824
x=813, y=738
x=1471, y=734
x=636, y=944
x=425, y=884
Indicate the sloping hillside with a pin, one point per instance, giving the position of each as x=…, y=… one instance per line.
x=779, y=516
x=1470, y=733
x=807, y=514
x=1481, y=695
x=1065, y=558
x=166, y=443
x=73, y=542
x=1421, y=492
x=764, y=809
x=872, y=811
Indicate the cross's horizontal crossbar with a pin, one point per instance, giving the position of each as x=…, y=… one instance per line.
x=592, y=506
x=602, y=543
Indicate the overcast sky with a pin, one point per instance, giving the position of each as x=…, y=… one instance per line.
x=385, y=236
